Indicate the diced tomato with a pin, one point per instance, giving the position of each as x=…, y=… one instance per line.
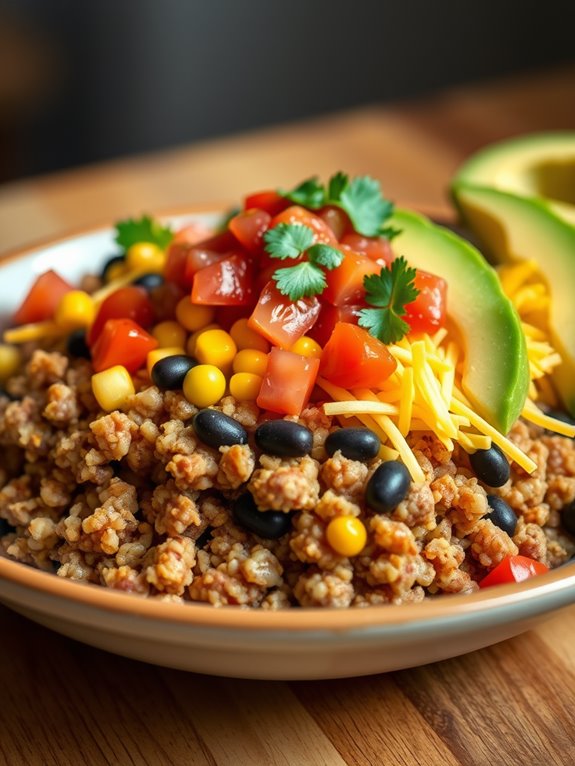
x=226, y=283
x=199, y=258
x=345, y=283
x=427, y=312
x=192, y=233
x=329, y=316
x=288, y=382
x=280, y=320
x=352, y=358
x=129, y=302
x=249, y=228
x=377, y=248
x=124, y=342
x=270, y=201
x=513, y=569
x=297, y=214
x=337, y=220
x=42, y=299
x=184, y=259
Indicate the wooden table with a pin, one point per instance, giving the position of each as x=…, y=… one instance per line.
x=63, y=703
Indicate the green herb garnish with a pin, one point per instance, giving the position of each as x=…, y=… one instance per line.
x=144, y=229
x=390, y=290
x=360, y=198
x=305, y=279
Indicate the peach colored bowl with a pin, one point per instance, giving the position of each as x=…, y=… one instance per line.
x=294, y=644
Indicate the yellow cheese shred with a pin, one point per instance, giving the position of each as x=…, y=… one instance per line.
x=34, y=331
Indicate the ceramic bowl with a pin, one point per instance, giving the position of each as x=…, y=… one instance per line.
x=294, y=644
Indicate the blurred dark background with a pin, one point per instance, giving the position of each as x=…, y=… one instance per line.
x=86, y=81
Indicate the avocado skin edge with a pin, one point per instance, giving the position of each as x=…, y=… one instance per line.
x=488, y=213
x=496, y=372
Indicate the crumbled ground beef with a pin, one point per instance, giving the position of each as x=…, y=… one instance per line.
x=134, y=501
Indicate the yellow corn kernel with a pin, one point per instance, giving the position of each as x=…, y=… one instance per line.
x=216, y=347
x=160, y=353
x=112, y=387
x=145, y=256
x=115, y=271
x=250, y=360
x=245, y=337
x=307, y=347
x=245, y=386
x=204, y=385
x=10, y=360
x=191, y=344
x=170, y=334
x=193, y=317
x=75, y=309
x=346, y=535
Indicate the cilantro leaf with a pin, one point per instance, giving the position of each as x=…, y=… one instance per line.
x=144, y=229
x=325, y=255
x=360, y=198
x=288, y=240
x=385, y=326
x=336, y=185
x=390, y=290
x=363, y=202
x=310, y=193
x=303, y=279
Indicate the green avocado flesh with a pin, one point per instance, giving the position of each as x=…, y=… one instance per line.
x=496, y=373
x=513, y=228
x=540, y=165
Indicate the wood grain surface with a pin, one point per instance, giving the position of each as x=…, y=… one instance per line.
x=62, y=703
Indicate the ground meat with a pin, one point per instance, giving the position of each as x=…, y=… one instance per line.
x=344, y=476
x=292, y=485
x=62, y=407
x=236, y=465
x=113, y=434
x=171, y=567
x=173, y=511
x=490, y=544
x=332, y=589
x=133, y=500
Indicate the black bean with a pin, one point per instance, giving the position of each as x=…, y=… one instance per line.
x=490, y=466
x=502, y=514
x=149, y=281
x=353, y=443
x=169, y=373
x=109, y=263
x=568, y=517
x=77, y=345
x=388, y=486
x=283, y=438
x=216, y=429
x=267, y=524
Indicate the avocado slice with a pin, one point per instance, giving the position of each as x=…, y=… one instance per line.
x=496, y=372
x=514, y=228
x=537, y=165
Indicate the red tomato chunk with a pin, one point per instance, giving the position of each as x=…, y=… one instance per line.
x=513, y=569
x=352, y=358
x=43, y=298
x=124, y=342
x=226, y=283
x=288, y=382
x=428, y=310
x=130, y=302
x=280, y=320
